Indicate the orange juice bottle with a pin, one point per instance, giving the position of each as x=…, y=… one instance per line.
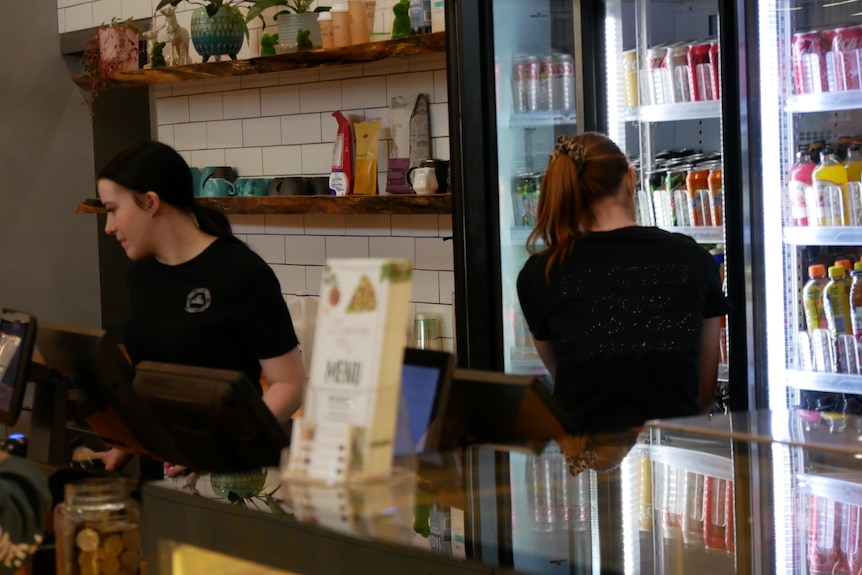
x=830, y=181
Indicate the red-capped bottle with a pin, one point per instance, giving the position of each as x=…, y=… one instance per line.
x=798, y=182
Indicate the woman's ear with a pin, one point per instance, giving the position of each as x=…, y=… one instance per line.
x=152, y=202
x=632, y=180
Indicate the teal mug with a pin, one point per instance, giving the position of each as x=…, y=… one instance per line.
x=215, y=187
x=252, y=187
x=196, y=180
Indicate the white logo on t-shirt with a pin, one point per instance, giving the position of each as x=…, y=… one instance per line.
x=198, y=300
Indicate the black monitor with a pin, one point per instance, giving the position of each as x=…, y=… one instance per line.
x=17, y=334
x=215, y=416
x=425, y=379
x=500, y=408
x=98, y=378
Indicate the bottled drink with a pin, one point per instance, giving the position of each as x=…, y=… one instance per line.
x=836, y=302
x=716, y=194
x=853, y=163
x=830, y=182
x=856, y=303
x=799, y=182
x=697, y=187
x=812, y=298
x=845, y=263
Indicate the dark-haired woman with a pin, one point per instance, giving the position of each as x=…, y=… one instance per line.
x=625, y=318
x=197, y=295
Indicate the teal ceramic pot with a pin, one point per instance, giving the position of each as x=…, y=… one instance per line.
x=243, y=485
x=217, y=35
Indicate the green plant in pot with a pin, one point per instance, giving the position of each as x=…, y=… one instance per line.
x=218, y=26
x=113, y=48
x=292, y=16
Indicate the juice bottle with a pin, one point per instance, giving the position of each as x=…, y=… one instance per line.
x=798, y=181
x=716, y=193
x=812, y=298
x=856, y=301
x=830, y=181
x=836, y=302
x=697, y=187
x=853, y=163
x=845, y=263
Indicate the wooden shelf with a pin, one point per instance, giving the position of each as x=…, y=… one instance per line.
x=406, y=204
x=411, y=46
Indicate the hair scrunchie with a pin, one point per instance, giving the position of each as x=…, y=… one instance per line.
x=583, y=460
x=573, y=149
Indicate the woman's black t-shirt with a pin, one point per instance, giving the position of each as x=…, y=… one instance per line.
x=624, y=313
x=223, y=309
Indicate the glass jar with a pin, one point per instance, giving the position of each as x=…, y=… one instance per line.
x=98, y=529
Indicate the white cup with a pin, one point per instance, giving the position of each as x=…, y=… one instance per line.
x=423, y=180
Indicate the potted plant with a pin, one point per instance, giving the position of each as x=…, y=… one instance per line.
x=113, y=48
x=218, y=26
x=291, y=17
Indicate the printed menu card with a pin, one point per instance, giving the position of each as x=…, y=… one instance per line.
x=347, y=428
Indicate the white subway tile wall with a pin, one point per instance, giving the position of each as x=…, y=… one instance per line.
x=281, y=124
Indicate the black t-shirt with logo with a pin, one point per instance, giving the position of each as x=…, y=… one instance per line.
x=223, y=309
x=624, y=313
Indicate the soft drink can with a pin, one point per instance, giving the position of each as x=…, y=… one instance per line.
x=847, y=57
x=677, y=56
x=547, y=84
x=700, y=71
x=715, y=67
x=630, y=77
x=564, y=81
x=526, y=83
x=809, y=63
x=658, y=74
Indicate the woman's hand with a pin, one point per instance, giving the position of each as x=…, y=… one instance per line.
x=114, y=459
x=173, y=471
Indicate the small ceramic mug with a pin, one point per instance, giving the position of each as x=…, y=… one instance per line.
x=215, y=187
x=251, y=187
x=422, y=180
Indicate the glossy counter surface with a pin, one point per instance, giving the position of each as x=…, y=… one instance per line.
x=747, y=493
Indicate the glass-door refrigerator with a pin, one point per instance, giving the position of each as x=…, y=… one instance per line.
x=521, y=72
x=810, y=126
x=649, y=74
x=808, y=117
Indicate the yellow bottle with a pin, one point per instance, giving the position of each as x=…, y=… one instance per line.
x=830, y=181
x=853, y=164
x=836, y=302
x=812, y=298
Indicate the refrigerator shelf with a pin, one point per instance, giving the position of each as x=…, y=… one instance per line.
x=680, y=111
x=824, y=102
x=700, y=234
x=843, y=487
x=694, y=460
x=833, y=235
x=542, y=118
x=821, y=381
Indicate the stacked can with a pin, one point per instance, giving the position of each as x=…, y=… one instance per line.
x=556, y=83
x=525, y=83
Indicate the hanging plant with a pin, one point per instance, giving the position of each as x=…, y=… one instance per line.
x=113, y=48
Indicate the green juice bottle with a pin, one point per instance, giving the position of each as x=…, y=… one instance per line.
x=836, y=302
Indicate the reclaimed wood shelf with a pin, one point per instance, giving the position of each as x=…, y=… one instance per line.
x=372, y=51
x=395, y=204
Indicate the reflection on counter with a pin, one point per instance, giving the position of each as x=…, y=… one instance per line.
x=704, y=495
